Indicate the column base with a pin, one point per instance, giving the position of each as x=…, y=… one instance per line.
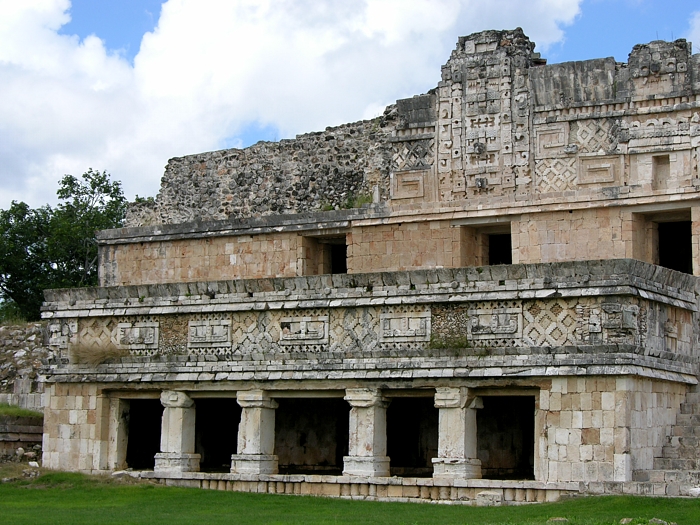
x=253, y=464
x=371, y=467
x=175, y=463
x=458, y=468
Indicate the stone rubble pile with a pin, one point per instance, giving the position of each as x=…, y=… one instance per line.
x=21, y=352
x=312, y=172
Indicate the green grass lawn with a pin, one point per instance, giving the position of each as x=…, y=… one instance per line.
x=11, y=410
x=74, y=499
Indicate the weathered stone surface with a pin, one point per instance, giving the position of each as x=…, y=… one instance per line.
x=498, y=310
x=22, y=350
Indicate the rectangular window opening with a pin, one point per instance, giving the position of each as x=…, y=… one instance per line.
x=486, y=245
x=675, y=246
x=500, y=249
x=339, y=257
x=324, y=255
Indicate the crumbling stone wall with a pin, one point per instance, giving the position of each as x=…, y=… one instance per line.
x=21, y=353
x=332, y=169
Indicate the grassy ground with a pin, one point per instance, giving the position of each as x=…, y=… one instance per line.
x=11, y=410
x=57, y=498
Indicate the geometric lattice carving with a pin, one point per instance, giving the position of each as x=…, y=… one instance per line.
x=414, y=154
x=280, y=331
x=556, y=174
x=96, y=331
x=594, y=135
x=252, y=331
x=550, y=323
x=354, y=329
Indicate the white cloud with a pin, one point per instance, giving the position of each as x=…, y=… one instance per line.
x=694, y=32
x=210, y=68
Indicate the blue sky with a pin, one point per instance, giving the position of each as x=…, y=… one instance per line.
x=125, y=85
x=603, y=28
x=121, y=24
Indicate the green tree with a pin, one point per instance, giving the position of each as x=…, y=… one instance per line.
x=90, y=205
x=56, y=247
x=25, y=268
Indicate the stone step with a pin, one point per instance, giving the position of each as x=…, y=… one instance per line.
x=692, y=397
x=685, y=431
x=690, y=408
x=687, y=420
x=682, y=441
x=676, y=464
x=676, y=452
x=667, y=476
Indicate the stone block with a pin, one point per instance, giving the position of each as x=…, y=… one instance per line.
x=488, y=498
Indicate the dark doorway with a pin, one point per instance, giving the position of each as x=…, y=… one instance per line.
x=216, y=433
x=675, y=246
x=143, y=433
x=506, y=437
x=339, y=257
x=499, y=249
x=311, y=435
x=412, y=436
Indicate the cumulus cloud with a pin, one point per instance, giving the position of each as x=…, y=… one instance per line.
x=213, y=68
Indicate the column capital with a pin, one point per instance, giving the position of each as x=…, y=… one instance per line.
x=365, y=398
x=255, y=399
x=175, y=399
x=456, y=397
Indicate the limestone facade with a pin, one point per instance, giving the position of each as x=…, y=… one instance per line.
x=514, y=311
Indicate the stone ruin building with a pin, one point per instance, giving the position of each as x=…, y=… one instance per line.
x=487, y=292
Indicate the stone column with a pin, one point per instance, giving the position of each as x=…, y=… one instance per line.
x=177, y=435
x=118, y=435
x=256, y=434
x=457, y=434
x=367, y=440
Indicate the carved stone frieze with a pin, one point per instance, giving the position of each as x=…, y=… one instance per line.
x=209, y=332
x=301, y=330
x=139, y=337
x=549, y=323
x=554, y=175
x=495, y=323
x=401, y=325
x=62, y=331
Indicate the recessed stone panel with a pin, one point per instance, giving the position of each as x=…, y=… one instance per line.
x=404, y=325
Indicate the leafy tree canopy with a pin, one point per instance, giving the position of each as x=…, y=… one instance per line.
x=56, y=247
